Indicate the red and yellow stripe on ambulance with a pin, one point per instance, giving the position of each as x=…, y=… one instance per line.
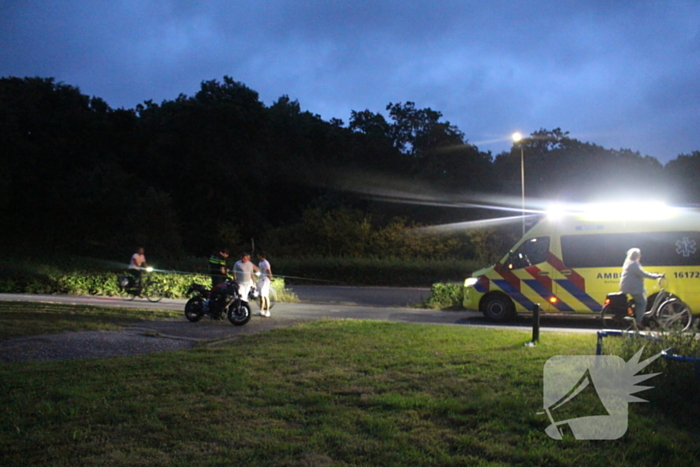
x=551, y=285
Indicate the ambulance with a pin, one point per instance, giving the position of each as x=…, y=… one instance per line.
x=568, y=263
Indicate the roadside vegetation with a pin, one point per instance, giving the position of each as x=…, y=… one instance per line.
x=678, y=381
x=336, y=247
x=82, y=276
x=325, y=393
x=445, y=296
x=85, y=277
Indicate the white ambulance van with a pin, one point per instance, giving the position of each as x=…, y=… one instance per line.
x=569, y=263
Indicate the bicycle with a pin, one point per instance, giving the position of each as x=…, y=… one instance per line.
x=147, y=287
x=667, y=312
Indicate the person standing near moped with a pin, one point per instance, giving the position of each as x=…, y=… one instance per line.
x=243, y=273
x=264, y=284
x=217, y=267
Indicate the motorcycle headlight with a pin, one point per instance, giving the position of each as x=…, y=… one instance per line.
x=471, y=281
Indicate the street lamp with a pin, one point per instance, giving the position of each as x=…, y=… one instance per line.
x=517, y=137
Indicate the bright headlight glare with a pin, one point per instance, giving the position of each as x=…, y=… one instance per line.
x=629, y=211
x=471, y=281
x=555, y=211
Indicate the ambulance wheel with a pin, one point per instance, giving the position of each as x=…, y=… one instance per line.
x=498, y=308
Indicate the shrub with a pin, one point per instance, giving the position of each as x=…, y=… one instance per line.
x=368, y=271
x=446, y=296
x=351, y=233
x=678, y=380
x=73, y=278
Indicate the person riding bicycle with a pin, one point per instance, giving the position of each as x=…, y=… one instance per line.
x=217, y=267
x=137, y=265
x=632, y=283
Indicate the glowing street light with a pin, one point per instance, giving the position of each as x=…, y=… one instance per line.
x=517, y=137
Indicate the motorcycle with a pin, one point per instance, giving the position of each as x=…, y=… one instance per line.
x=220, y=302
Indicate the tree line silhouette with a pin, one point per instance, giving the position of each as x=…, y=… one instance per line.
x=190, y=175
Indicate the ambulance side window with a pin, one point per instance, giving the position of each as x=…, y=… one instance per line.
x=533, y=251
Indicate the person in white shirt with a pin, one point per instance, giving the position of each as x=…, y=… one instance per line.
x=137, y=264
x=243, y=272
x=264, y=283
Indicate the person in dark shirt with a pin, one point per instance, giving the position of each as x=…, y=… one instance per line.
x=217, y=267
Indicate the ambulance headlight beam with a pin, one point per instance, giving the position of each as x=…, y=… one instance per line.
x=644, y=210
x=555, y=211
x=652, y=210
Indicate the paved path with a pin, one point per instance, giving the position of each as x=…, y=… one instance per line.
x=373, y=296
x=178, y=333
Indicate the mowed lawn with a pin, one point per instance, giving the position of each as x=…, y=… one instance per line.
x=321, y=394
x=22, y=319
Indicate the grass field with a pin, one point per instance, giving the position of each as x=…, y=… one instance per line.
x=320, y=394
x=20, y=319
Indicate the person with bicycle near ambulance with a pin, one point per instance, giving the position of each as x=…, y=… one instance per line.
x=632, y=283
x=244, y=274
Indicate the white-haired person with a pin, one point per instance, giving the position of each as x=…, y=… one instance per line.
x=632, y=283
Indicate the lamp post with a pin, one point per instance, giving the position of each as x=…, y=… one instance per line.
x=517, y=137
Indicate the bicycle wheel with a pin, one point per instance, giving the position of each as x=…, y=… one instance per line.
x=126, y=287
x=153, y=291
x=674, y=315
x=129, y=294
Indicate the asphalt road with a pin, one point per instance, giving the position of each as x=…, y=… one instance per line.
x=317, y=302
x=371, y=296
x=324, y=302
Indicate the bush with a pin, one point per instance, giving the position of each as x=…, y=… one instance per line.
x=677, y=381
x=351, y=233
x=367, y=271
x=83, y=277
x=446, y=296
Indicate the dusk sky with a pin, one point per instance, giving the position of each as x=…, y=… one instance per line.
x=621, y=74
